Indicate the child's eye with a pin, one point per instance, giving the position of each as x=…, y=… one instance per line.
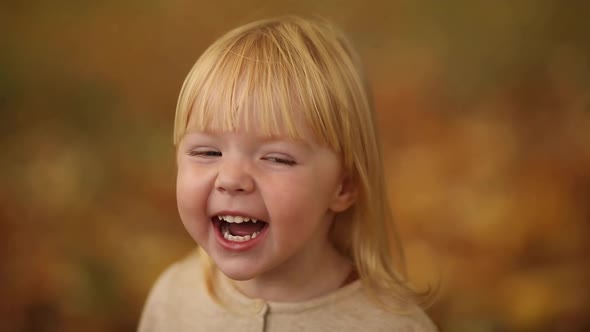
x=281, y=160
x=204, y=153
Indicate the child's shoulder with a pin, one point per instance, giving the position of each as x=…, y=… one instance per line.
x=178, y=291
x=412, y=319
x=181, y=275
x=348, y=308
x=396, y=316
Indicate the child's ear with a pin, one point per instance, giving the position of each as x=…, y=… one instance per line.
x=345, y=195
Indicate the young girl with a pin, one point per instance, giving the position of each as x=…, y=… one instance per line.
x=280, y=182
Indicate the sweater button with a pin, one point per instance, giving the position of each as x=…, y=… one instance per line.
x=258, y=305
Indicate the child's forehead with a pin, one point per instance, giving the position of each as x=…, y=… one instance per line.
x=251, y=133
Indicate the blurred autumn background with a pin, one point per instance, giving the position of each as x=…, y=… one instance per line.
x=484, y=111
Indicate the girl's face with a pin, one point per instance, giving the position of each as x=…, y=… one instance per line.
x=291, y=188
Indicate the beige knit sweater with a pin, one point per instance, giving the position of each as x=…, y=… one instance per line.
x=179, y=302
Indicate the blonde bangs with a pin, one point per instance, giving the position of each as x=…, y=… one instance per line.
x=272, y=81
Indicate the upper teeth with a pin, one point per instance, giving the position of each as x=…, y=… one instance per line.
x=237, y=219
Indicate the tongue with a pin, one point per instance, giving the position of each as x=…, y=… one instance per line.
x=245, y=228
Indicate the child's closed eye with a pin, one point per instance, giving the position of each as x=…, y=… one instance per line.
x=280, y=160
x=207, y=153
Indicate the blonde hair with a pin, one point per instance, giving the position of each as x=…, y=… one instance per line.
x=274, y=72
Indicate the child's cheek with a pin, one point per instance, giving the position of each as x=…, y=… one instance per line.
x=187, y=191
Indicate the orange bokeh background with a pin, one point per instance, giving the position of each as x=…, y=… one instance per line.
x=484, y=111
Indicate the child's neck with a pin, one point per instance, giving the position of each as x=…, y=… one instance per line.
x=315, y=276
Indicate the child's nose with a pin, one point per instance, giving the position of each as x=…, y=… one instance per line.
x=233, y=177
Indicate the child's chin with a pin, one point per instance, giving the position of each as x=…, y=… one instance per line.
x=236, y=273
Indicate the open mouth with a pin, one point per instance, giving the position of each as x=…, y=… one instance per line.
x=239, y=228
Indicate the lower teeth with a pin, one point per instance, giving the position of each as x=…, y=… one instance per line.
x=237, y=238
